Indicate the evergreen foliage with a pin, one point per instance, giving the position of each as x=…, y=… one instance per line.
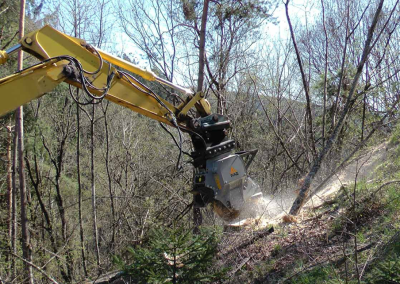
x=174, y=255
x=387, y=271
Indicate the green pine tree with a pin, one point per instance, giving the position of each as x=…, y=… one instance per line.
x=174, y=255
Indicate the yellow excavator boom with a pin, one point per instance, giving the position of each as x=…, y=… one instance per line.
x=220, y=176
x=56, y=50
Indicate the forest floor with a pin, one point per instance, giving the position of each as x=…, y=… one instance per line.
x=348, y=232
x=337, y=237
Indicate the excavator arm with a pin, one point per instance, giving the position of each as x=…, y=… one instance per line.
x=220, y=176
x=65, y=58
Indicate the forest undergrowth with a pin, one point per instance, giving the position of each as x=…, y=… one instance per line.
x=353, y=236
x=348, y=233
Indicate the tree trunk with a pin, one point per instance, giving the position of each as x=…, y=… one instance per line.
x=78, y=162
x=78, y=169
x=26, y=250
x=13, y=207
x=19, y=125
x=110, y=189
x=325, y=76
x=9, y=189
x=92, y=166
x=308, y=118
x=49, y=226
x=197, y=218
x=202, y=45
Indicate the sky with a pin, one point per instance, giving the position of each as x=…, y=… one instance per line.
x=298, y=9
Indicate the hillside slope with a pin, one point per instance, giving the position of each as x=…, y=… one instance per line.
x=349, y=230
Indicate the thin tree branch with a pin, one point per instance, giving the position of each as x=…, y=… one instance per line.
x=51, y=279
x=303, y=77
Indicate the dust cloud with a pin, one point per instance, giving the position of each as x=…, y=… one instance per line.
x=264, y=210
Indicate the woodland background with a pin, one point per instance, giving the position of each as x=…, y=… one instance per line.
x=99, y=178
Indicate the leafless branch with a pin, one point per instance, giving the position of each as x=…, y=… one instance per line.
x=51, y=279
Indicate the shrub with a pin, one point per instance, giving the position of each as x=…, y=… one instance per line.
x=174, y=255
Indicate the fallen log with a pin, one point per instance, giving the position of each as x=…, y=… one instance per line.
x=256, y=237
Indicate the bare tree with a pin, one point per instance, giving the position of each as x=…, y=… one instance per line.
x=197, y=218
x=10, y=197
x=371, y=39
x=19, y=126
x=153, y=28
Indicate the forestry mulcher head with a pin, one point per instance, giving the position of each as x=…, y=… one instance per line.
x=220, y=176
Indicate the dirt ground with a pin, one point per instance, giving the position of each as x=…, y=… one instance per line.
x=309, y=240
